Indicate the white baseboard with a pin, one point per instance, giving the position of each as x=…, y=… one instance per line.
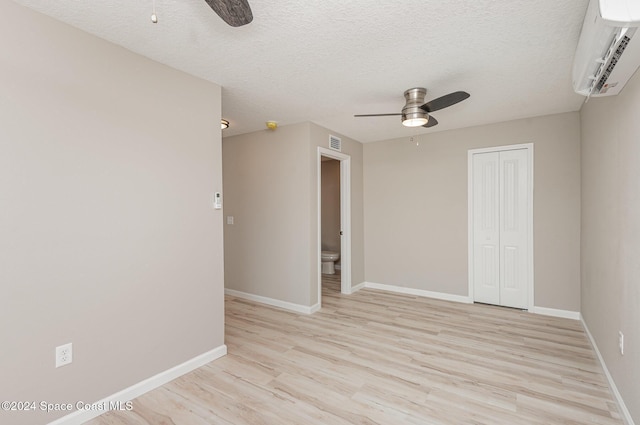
x=623, y=408
x=418, y=292
x=314, y=308
x=81, y=416
x=566, y=314
x=298, y=308
x=356, y=288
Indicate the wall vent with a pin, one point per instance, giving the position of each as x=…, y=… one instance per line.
x=335, y=143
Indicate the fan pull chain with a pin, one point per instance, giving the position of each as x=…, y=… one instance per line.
x=415, y=137
x=154, y=17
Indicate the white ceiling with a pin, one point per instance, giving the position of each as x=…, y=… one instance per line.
x=324, y=61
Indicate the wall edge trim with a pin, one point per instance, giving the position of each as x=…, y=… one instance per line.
x=358, y=287
x=626, y=415
x=554, y=312
x=81, y=416
x=418, y=292
x=298, y=308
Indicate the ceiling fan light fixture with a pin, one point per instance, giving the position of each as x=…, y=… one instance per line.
x=224, y=124
x=414, y=117
x=414, y=121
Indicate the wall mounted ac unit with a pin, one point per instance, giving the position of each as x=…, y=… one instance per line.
x=608, y=51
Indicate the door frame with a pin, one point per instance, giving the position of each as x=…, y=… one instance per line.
x=345, y=219
x=530, y=185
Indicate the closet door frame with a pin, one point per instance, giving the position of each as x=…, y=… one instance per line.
x=530, y=280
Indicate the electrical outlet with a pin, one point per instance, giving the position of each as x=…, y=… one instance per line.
x=621, y=342
x=64, y=354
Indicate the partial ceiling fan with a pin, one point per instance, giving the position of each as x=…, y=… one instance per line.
x=234, y=12
x=415, y=112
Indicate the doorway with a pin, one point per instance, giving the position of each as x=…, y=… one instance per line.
x=345, y=218
x=501, y=226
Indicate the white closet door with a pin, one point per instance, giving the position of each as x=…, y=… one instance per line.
x=500, y=228
x=486, y=227
x=513, y=228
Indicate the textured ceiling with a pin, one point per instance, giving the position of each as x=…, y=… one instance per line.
x=324, y=61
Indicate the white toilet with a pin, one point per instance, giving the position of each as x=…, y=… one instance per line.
x=328, y=259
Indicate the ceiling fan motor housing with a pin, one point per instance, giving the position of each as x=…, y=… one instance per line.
x=411, y=112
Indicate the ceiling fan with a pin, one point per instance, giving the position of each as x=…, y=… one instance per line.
x=234, y=12
x=415, y=112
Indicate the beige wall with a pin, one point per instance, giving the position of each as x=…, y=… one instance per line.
x=266, y=191
x=330, y=214
x=611, y=234
x=108, y=162
x=271, y=190
x=415, y=204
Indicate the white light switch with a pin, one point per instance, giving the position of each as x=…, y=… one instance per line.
x=229, y=219
x=217, y=201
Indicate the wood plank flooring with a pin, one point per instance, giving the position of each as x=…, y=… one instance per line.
x=382, y=358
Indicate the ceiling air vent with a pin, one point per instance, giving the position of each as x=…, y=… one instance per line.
x=335, y=143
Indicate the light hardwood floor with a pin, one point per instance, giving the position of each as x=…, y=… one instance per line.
x=382, y=358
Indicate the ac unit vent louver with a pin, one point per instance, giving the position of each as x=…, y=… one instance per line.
x=615, y=57
x=335, y=143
